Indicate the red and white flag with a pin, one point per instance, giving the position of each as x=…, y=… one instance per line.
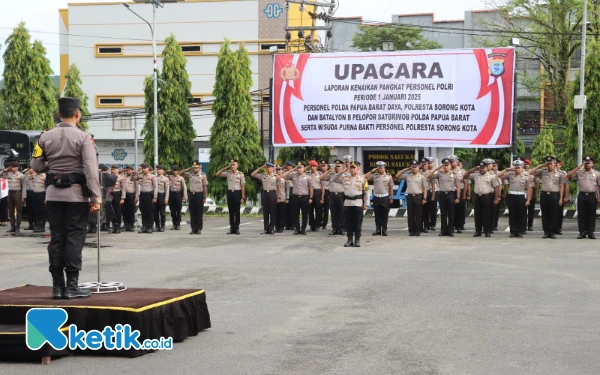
x=4, y=187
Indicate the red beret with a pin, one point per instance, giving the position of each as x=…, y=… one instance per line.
x=313, y=163
x=527, y=162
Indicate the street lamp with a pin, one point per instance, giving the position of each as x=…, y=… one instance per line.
x=514, y=42
x=387, y=45
x=155, y=4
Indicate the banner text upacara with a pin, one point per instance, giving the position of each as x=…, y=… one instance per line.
x=388, y=71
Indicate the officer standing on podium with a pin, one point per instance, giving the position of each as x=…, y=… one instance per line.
x=588, y=184
x=73, y=193
x=383, y=192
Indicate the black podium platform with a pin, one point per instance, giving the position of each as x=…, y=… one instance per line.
x=156, y=313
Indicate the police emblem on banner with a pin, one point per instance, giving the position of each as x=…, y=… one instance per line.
x=496, y=64
x=289, y=73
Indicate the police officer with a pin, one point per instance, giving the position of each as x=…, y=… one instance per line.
x=550, y=196
x=461, y=206
x=588, y=184
x=148, y=196
x=303, y=192
x=162, y=199
x=315, y=210
x=177, y=196
x=268, y=196
x=236, y=194
x=336, y=198
x=291, y=201
x=73, y=193
x=518, y=197
x=494, y=171
x=198, y=194
x=430, y=218
x=565, y=198
x=325, y=205
x=107, y=214
x=132, y=192
x=282, y=197
x=535, y=188
x=383, y=193
x=487, y=194
x=29, y=176
x=448, y=195
x=38, y=185
x=424, y=170
x=16, y=194
x=416, y=196
x=117, y=199
x=356, y=190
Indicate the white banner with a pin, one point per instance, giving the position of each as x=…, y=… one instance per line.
x=444, y=98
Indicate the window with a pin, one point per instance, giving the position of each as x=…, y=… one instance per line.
x=191, y=48
x=110, y=50
x=122, y=123
x=110, y=101
x=195, y=100
x=267, y=46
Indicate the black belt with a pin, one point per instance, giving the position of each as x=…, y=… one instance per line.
x=75, y=178
x=233, y=191
x=415, y=195
x=354, y=198
x=481, y=195
x=171, y=192
x=551, y=192
x=335, y=193
x=586, y=193
x=447, y=192
x=300, y=196
x=146, y=192
x=14, y=191
x=269, y=191
x=197, y=192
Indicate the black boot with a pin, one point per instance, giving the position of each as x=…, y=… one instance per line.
x=384, y=232
x=72, y=290
x=162, y=228
x=17, y=229
x=356, y=241
x=58, y=285
x=142, y=229
x=12, y=229
x=349, y=243
x=30, y=227
x=377, y=231
x=93, y=228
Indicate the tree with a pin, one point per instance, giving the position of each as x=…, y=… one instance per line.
x=28, y=93
x=591, y=119
x=176, y=132
x=404, y=37
x=73, y=90
x=542, y=146
x=502, y=156
x=234, y=134
x=547, y=31
x=303, y=154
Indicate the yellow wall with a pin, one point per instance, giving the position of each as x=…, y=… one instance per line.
x=298, y=18
x=64, y=68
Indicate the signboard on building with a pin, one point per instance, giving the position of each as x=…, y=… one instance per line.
x=121, y=153
x=437, y=98
x=395, y=160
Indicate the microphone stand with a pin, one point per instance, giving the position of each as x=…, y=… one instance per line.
x=100, y=287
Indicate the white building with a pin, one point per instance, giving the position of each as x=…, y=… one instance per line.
x=112, y=48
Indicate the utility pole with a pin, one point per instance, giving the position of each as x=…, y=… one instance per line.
x=580, y=100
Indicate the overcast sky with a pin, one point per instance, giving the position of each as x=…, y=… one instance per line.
x=41, y=16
